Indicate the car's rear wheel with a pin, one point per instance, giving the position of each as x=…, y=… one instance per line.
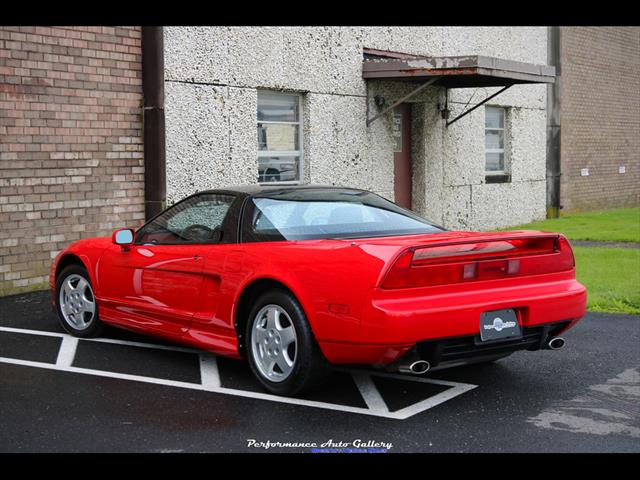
x=282, y=351
x=76, y=303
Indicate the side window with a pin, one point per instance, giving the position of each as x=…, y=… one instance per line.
x=196, y=220
x=496, y=162
x=280, y=142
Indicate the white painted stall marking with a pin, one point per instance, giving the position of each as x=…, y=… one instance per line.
x=209, y=375
x=67, y=351
x=210, y=378
x=369, y=392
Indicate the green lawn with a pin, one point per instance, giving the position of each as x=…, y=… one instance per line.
x=622, y=225
x=611, y=275
x=612, y=278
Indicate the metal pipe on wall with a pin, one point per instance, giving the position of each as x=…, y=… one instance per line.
x=553, y=125
x=155, y=190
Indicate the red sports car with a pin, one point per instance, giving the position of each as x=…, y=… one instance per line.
x=297, y=278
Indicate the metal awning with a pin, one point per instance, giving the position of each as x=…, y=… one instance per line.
x=467, y=71
x=457, y=72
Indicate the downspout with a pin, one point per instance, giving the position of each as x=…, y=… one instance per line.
x=155, y=190
x=553, y=125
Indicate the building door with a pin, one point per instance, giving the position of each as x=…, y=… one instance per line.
x=402, y=155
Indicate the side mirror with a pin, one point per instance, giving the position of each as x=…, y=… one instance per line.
x=123, y=237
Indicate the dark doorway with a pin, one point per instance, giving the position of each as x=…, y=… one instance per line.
x=402, y=155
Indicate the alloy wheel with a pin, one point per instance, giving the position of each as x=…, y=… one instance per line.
x=77, y=302
x=274, y=343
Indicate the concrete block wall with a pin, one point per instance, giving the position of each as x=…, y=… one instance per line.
x=71, y=153
x=212, y=75
x=600, y=116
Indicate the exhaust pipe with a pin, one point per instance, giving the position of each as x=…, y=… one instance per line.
x=416, y=368
x=556, y=343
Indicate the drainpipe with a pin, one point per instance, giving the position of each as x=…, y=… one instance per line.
x=153, y=121
x=553, y=125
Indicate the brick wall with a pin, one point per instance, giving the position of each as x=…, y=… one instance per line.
x=600, y=115
x=71, y=153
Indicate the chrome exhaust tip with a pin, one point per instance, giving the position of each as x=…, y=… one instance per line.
x=416, y=368
x=556, y=343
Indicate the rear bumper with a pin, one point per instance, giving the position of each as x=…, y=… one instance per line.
x=394, y=322
x=461, y=349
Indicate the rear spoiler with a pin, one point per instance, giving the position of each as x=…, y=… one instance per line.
x=479, y=257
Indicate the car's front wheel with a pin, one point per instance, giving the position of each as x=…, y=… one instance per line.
x=282, y=351
x=76, y=303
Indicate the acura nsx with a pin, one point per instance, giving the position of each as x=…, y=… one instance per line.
x=298, y=278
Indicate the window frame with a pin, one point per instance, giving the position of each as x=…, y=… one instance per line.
x=287, y=153
x=505, y=172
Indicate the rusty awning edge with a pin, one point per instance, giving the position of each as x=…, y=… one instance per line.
x=467, y=67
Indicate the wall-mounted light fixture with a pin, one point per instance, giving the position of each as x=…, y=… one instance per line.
x=379, y=101
x=443, y=108
x=443, y=105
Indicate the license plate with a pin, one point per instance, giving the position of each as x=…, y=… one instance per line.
x=499, y=324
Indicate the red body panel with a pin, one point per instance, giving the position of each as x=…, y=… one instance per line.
x=189, y=293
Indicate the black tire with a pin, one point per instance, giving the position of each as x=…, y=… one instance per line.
x=310, y=368
x=94, y=327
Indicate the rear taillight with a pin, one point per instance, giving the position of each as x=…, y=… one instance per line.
x=484, y=260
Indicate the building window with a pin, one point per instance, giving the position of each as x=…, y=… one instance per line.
x=279, y=137
x=494, y=141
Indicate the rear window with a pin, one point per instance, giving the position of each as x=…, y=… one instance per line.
x=319, y=214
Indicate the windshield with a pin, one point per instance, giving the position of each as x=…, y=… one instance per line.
x=327, y=213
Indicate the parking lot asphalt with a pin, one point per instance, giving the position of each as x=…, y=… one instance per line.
x=115, y=395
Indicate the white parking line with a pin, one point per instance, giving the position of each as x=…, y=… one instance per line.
x=209, y=375
x=210, y=379
x=369, y=392
x=114, y=341
x=67, y=351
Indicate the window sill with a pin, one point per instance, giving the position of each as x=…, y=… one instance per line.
x=281, y=182
x=497, y=178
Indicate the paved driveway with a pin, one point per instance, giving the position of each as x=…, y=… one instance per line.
x=128, y=393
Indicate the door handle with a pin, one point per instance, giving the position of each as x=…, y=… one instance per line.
x=196, y=257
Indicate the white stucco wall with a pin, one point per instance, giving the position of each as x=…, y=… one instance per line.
x=211, y=79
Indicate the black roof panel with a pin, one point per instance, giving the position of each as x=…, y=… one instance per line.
x=257, y=189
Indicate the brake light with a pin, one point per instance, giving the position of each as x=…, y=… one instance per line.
x=398, y=276
x=484, y=260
